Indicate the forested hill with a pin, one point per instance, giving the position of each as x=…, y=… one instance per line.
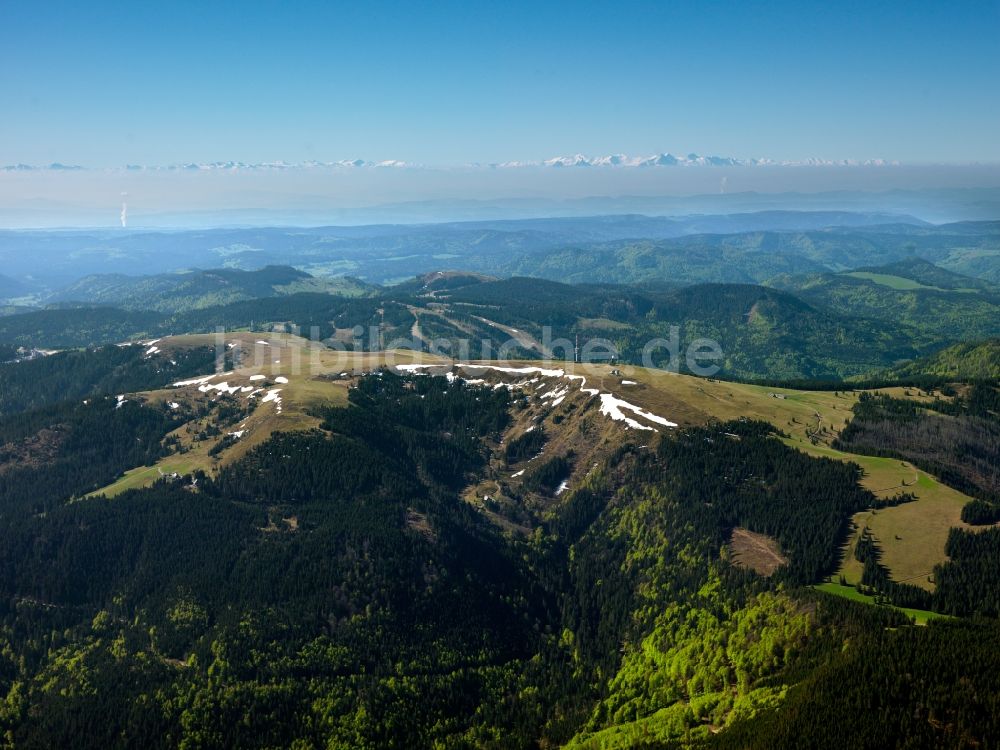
x=934, y=304
x=844, y=302
x=73, y=375
x=740, y=247
x=762, y=332
x=499, y=559
x=196, y=289
x=966, y=361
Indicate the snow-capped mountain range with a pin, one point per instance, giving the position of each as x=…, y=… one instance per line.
x=611, y=161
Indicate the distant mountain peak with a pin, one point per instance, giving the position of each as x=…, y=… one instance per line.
x=616, y=160
x=667, y=159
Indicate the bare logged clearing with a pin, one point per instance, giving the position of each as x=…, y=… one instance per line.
x=522, y=338
x=419, y=523
x=758, y=552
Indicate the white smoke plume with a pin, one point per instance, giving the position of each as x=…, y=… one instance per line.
x=124, y=215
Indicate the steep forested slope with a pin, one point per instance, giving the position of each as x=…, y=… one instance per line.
x=966, y=361
x=72, y=375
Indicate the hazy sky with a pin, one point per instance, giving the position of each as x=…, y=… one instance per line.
x=106, y=84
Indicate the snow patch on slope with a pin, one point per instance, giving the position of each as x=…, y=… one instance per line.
x=611, y=406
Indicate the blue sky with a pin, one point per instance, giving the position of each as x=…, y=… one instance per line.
x=105, y=84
